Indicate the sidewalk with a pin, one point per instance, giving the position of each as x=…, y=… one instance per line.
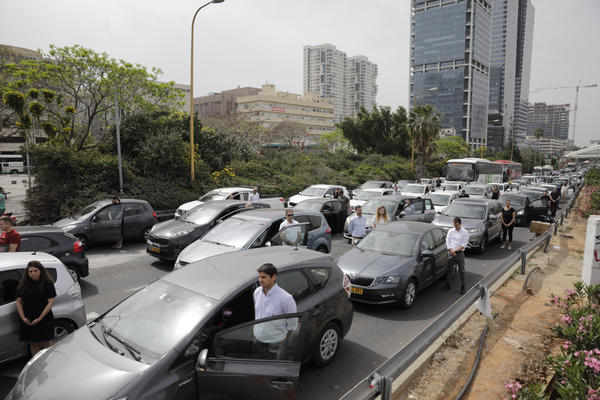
x=16, y=187
x=519, y=338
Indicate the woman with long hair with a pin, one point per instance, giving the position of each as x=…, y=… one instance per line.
x=380, y=217
x=35, y=298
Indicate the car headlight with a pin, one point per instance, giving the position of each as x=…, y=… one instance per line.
x=386, y=279
x=473, y=230
x=522, y=212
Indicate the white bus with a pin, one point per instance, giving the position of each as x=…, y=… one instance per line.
x=537, y=170
x=11, y=164
x=547, y=169
x=473, y=170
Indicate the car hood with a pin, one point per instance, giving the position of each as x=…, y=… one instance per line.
x=369, y=263
x=77, y=367
x=439, y=209
x=299, y=197
x=189, y=205
x=172, y=227
x=200, y=250
x=448, y=222
x=66, y=222
x=354, y=203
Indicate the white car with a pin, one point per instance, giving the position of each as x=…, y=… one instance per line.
x=316, y=192
x=363, y=195
x=415, y=190
x=236, y=193
x=476, y=191
x=441, y=200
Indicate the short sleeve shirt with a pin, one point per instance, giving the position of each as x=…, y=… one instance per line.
x=8, y=238
x=2, y=201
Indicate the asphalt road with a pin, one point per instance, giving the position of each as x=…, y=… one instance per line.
x=377, y=332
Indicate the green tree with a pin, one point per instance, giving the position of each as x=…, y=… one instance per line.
x=335, y=140
x=452, y=147
x=425, y=127
x=379, y=131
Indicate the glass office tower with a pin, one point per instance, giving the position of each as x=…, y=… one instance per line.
x=523, y=68
x=450, y=63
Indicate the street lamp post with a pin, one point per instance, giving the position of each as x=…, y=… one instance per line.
x=412, y=142
x=192, y=90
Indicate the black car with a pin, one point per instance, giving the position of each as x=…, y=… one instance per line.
x=334, y=211
x=167, y=239
x=395, y=261
x=52, y=240
x=526, y=209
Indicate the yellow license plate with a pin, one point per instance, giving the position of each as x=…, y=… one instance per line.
x=356, y=290
x=155, y=249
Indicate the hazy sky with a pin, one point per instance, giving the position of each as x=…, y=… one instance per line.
x=250, y=42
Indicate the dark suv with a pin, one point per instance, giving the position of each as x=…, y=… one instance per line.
x=52, y=240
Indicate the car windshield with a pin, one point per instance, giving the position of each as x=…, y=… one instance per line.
x=457, y=171
x=155, y=318
x=370, y=207
x=202, y=214
x=313, y=191
x=449, y=187
x=439, y=199
x=364, y=195
x=393, y=243
x=309, y=205
x=372, y=185
x=515, y=201
x=233, y=232
x=214, y=195
x=419, y=189
x=474, y=190
x=91, y=208
x=464, y=210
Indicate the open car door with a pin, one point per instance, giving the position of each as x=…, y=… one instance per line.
x=255, y=360
x=292, y=235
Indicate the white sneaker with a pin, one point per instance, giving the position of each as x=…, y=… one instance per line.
x=503, y=245
x=509, y=247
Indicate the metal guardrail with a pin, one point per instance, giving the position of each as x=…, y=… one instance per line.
x=379, y=382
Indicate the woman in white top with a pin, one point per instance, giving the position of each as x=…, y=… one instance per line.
x=380, y=217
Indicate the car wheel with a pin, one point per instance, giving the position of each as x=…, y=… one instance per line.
x=483, y=245
x=62, y=328
x=74, y=273
x=84, y=241
x=146, y=233
x=322, y=249
x=328, y=344
x=408, y=295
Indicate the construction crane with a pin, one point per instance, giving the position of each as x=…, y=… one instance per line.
x=579, y=85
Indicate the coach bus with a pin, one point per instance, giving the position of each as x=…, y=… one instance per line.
x=473, y=170
x=512, y=170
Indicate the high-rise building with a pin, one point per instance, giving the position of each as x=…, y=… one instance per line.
x=523, y=68
x=450, y=63
x=503, y=58
x=553, y=119
x=350, y=82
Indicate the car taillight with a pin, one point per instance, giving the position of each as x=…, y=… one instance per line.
x=77, y=247
x=328, y=230
x=347, y=285
x=154, y=215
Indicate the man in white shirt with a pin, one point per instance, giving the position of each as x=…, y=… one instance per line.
x=357, y=228
x=456, y=242
x=287, y=236
x=254, y=196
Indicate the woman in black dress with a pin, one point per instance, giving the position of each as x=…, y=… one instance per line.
x=509, y=215
x=35, y=298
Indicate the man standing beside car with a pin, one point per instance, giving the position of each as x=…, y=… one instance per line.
x=254, y=196
x=10, y=239
x=270, y=300
x=358, y=226
x=554, y=199
x=456, y=242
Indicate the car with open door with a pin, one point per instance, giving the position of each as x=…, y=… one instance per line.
x=334, y=211
x=192, y=334
x=317, y=191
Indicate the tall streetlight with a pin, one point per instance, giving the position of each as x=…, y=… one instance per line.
x=192, y=90
x=412, y=142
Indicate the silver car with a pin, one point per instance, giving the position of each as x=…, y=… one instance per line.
x=68, y=310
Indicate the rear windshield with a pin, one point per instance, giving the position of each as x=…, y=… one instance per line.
x=463, y=210
x=233, y=232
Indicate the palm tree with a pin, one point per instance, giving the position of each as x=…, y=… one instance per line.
x=425, y=127
x=539, y=133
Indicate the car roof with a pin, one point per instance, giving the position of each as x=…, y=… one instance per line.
x=517, y=193
x=442, y=192
x=468, y=200
x=232, y=189
x=407, y=226
x=105, y=202
x=268, y=214
x=378, y=190
x=9, y=260
x=325, y=186
x=217, y=276
x=314, y=200
x=39, y=229
x=222, y=203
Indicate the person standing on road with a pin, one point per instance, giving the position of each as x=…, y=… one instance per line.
x=2, y=202
x=509, y=215
x=271, y=300
x=35, y=298
x=254, y=196
x=288, y=221
x=358, y=226
x=554, y=200
x=563, y=192
x=117, y=213
x=10, y=239
x=545, y=201
x=495, y=193
x=380, y=217
x=456, y=242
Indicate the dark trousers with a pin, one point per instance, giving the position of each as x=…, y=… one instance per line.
x=460, y=260
x=553, y=207
x=507, y=230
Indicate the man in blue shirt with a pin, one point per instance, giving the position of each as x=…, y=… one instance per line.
x=358, y=226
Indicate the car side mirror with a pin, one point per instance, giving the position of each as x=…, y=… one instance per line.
x=327, y=195
x=202, y=360
x=427, y=253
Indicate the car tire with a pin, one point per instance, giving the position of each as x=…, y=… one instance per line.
x=483, y=246
x=409, y=294
x=146, y=233
x=62, y=328
x=327, y=345
x=84, y=241
x=74, y=272
x=322, y=249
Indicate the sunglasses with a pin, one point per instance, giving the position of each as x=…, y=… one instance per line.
x=290, y=215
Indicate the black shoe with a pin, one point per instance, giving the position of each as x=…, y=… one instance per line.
x=462, y=290
x=445, y=288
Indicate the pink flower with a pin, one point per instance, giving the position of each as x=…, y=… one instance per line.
x=566, y=345
x=567, y=320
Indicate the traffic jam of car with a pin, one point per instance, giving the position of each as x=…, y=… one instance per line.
x=210, y=328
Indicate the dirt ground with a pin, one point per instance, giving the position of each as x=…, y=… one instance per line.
x=519, y=338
